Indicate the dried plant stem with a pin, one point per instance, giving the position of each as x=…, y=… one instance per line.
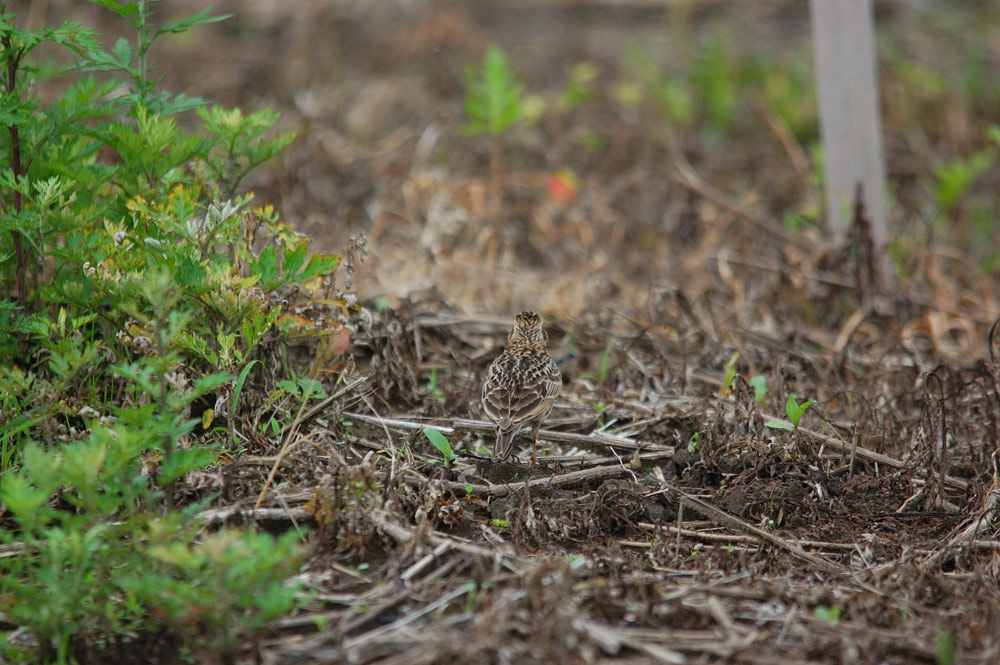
x=286, y=447
x=725, y=519
x=983, y=521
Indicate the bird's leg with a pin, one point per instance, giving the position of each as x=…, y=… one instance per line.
x=534, y=440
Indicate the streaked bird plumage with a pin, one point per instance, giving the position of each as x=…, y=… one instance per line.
x=521, y=384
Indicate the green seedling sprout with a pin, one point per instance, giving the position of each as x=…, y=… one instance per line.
x=439, y=441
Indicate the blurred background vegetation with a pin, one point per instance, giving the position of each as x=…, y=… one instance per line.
x=612, y=93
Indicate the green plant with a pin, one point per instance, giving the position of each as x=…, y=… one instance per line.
x=297, y=391
x=944, y=648
x=954, y=178
x=714, y=81
x=72, y=562
x=493, y=102
x=493, y=95
x=221, y=590
x=727, y=379
x=759, y=384
x=671, y=91
x=695, y=443
x=442, y=444
x=788, y=90
x=303, y=388
x=829, y=614
x=237, y=391
x=602, y=370
x=436, y=393
x=88, y=236
x=471, y=589
x=676, y=99
x=794, y=410
x=598, y=409
x=592, y=140
x=580, y=87
x=968, y=214
x=135, y=284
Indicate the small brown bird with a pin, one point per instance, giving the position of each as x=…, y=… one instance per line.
x=521, y=385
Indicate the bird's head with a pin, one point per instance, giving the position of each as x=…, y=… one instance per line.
x=528, y=331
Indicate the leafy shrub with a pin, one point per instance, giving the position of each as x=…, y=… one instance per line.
x=136, y=282
x=217, y=591
x=120, y=216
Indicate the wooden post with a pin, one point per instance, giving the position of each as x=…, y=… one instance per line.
x=843, y=33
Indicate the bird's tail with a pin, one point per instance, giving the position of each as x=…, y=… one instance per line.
x=504, y=446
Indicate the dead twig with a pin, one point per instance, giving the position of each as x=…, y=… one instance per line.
x=734, y=539
x=595, y=440
x=973, y=527
x=688, y=177
x=866, y=454
x=725, y=519
x=323, y=404
x=404, y=535
x=289, y=432
x=561, y=480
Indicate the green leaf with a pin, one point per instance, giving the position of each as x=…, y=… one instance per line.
x=191, y=274
x=311, y=388
x=956, y=177
x=797, y=416
x=830, y=614
x=993, y=133
x=439, y=441
x=606, y=358
x=727, y=379
x=715, y=82
x=294, y=259
x=208, y=383
x=239, y=382
x=759, y=384
x=791, y=406
x=123, y=52
x=319, y=264
x=795, y=410
x=21, y=498
x=944, y=648
x=183, y=25
x=26, y=494
x=266, y=267
x=84, y=464
x=183, y=461
x=493, y=100
x=125, y=10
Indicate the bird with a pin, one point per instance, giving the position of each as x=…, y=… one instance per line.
x=521, y=385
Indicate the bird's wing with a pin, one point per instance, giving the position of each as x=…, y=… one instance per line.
x=551, y=380
x=518, y=389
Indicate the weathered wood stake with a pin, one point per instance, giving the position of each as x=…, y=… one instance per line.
x=847, y=82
